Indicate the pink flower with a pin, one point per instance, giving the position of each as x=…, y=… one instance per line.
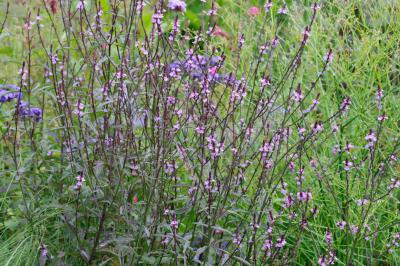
x=328, y=57
x=135, y=199
x=265, y=82
x=329, y=237
x=213, y=70
x=253, y=11
x=382, y=117
x=174, y=224
x=219, y=32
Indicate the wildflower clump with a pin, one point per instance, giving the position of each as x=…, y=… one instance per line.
x=156, y=141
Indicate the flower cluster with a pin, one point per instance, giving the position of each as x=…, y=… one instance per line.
x=177, y=5
x=9, y=92
x=199, y=67
x=24, y=110
x=186, y=145
x=79, y=182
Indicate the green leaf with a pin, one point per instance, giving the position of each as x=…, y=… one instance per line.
x=105, y=5
x=12, y=224
x=148, y=259
x=193, y=18
x=245, y=262
x=6, y=50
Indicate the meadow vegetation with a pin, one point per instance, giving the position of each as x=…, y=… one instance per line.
x=199, y=132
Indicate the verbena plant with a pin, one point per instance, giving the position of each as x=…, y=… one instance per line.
x=152, y=145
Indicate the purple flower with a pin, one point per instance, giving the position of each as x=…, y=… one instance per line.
x=327, y=259
x=23, y=108
x=395, y=183
x=174, y=224
x=379, y=94
x=348, y=147
x=268, y=6
x=318, y=127
x=315, y=6
x=347, y=165
x=336, y=149
x=3, y=96
x=9, y=86
x=328, y=57
x=304, y=196
x=382, y=117
x=9, y=92
x=354, y=229
x=281, y=242
x=200, y=130
x=267, y=245
x=215, y=60
x=345, y=105
x=35, y=113
x=157, y=17
x=177, y=5
x=282, y=10
x=170, y=168
x=79, y=182
x=216, y=148
x=237, y=239
x=362, y=202
x=79, y=109
x=329, y=237
x=267, y=148
x=371, y=138
x=298, y=95
x=341, y=225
